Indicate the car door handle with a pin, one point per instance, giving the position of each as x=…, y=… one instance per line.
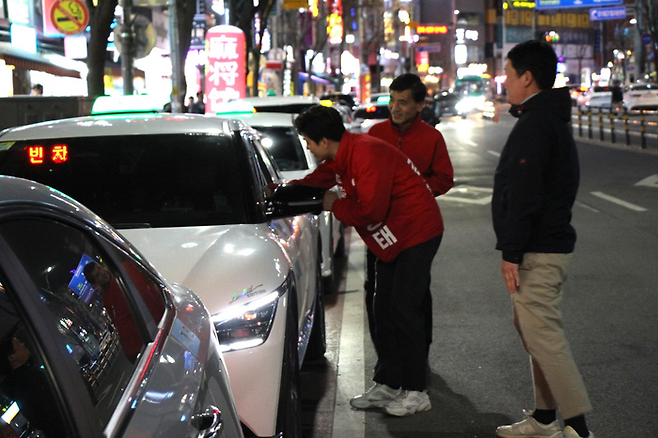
x=209, y=422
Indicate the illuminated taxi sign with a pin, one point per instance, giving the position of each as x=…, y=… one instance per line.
x=383, y=99
x=126, y=104
x=432, y=29
x=327, y=102
x=57, y=154
x=234, y=108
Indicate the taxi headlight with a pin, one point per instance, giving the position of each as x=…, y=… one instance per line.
x=248, y=325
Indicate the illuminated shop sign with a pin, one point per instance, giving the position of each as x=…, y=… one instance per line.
x=431, y=29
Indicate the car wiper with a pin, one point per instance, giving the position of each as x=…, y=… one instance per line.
x=131, y=225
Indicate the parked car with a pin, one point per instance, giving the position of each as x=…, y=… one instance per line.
x=137, y=356
x=368, y=115
x=286, y=146
x=282, y=104
x=576, y=91
x=190, y=192
x=641, y=97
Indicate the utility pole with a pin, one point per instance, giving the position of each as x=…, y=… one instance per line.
x=174, y=54
x=127, y=48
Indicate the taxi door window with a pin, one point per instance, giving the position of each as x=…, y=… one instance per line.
x=28, y=406
x=101, y=323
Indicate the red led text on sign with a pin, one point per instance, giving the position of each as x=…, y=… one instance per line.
x=371, y=109
x=432, y=30
x=58, y=154
x=36, y=154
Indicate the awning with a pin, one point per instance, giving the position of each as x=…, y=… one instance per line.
x=40, y=66
x=30, y=61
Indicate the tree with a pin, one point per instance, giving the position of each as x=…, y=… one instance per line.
x=101, y=15
x=243, y=14
x=185, y=10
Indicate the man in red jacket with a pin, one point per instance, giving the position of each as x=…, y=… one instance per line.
x=393, y=210
x=426, y=148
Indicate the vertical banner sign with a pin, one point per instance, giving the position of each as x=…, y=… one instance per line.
x=225, y=70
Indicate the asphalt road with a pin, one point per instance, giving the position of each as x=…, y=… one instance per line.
x=480, y=374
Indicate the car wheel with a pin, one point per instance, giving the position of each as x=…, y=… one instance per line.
x=317, y=342
x=289, y=416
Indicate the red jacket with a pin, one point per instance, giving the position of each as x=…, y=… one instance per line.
x=386, y=200
x=426, y=148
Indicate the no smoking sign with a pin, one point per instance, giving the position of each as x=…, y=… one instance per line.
x=69, y=17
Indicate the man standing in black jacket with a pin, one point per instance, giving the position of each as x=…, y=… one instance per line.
x=535, y=187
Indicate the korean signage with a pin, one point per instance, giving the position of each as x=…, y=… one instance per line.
x=558, y=4
x=618, y=13
x=225, y=70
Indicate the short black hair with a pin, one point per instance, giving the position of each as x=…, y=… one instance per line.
x=537, y=57
x=88, y=270
x=38, y=87
x=318, y=122
x=410, y=81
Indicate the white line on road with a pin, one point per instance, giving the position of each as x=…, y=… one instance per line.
x=348, y=422
x=469, y=142
x=494, y=153
x=618, y=201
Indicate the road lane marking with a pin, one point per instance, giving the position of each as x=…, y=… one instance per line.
x=469, y=142
x=494, y=153
x=468, y=195
x=618, y=201
x=587, y=207
x=348, y=422
x=650, y=181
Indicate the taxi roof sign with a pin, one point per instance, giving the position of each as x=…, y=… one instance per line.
x=142, y=103
x=235, y=108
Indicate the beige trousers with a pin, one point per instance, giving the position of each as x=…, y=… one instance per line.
x=538, y=319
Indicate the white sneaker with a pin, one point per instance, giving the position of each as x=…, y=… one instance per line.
x=376, y=397
x=569, y=432
x=530, y=428
x=408, y=403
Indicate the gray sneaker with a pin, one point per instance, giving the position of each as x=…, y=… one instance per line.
x=408, y=403
x=376, y=397
x=569, y=433
x=530, y=428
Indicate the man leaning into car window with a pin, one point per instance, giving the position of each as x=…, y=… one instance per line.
x=395, y=213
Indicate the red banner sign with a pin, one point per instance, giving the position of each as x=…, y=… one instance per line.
x=225, y=70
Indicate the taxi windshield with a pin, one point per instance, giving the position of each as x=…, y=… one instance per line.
x=139, y=181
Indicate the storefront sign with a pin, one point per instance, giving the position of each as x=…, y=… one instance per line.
x=225, y=70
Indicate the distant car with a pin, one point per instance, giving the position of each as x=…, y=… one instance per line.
x=371, y=114
x=190, y=191
x=137, y=356
x=640, y=97
x=601, y=97
x=295, y=161
x=576, y=91
x=282, y=104
x=344, y=99
x=447, y=104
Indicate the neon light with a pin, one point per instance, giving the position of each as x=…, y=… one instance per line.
x=36, y=154
x=383, y=99
x=442, y=30
x=60, y=153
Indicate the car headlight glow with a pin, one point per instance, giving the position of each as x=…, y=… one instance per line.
x=248, y=325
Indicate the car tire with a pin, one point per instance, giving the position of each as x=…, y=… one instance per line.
x=289, y=415
x=317, y=341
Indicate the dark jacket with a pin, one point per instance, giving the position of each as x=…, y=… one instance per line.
x=537, y=179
